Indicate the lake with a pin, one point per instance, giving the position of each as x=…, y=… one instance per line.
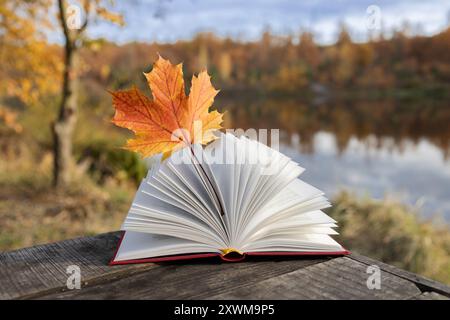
x=383, y=149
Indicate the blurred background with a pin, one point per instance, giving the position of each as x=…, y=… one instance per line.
x=359, y=91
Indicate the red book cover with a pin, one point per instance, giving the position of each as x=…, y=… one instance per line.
x=227, y=258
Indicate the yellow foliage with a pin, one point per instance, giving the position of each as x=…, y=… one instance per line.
x=32, y=68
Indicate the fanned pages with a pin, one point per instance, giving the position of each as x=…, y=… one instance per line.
x=235, y=197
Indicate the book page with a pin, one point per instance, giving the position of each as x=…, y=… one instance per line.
x=296, y=242
x=159, y=209
x=137, y=245
x=262, y=211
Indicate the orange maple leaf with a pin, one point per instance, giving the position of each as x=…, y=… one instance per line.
x=171, y=120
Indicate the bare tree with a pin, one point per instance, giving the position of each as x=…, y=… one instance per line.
x=64, y=125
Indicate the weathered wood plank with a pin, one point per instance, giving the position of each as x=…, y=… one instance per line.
x=424, y=284
x=430, y=296
x=40, y=272
x=340, y=278
x=33, y=271
x=189, y=280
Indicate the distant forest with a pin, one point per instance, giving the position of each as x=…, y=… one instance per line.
x=286, y=64
x=251, y=75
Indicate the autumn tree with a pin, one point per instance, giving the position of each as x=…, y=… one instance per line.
x=73, y=27
x=27, y=60
x=32, y=67
x=308, y=51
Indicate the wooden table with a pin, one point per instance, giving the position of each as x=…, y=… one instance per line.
x=40, y=272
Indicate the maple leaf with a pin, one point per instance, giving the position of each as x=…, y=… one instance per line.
x=170, y=120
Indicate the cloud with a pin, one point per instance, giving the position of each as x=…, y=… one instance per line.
x=168, y=21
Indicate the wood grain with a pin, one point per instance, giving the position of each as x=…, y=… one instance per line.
x=189, y=280
x=33, y=271
x=40, y=273
x=340, y=278
x=430, y=296
x=424, y=284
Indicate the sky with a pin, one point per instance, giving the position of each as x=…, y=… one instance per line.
x=171, y=20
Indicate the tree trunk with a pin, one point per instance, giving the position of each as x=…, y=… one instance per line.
x=64, y=125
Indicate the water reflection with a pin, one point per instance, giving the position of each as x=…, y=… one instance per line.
x=386, y=148
x=417, y=175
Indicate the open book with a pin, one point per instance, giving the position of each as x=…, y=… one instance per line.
x=235, y=197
